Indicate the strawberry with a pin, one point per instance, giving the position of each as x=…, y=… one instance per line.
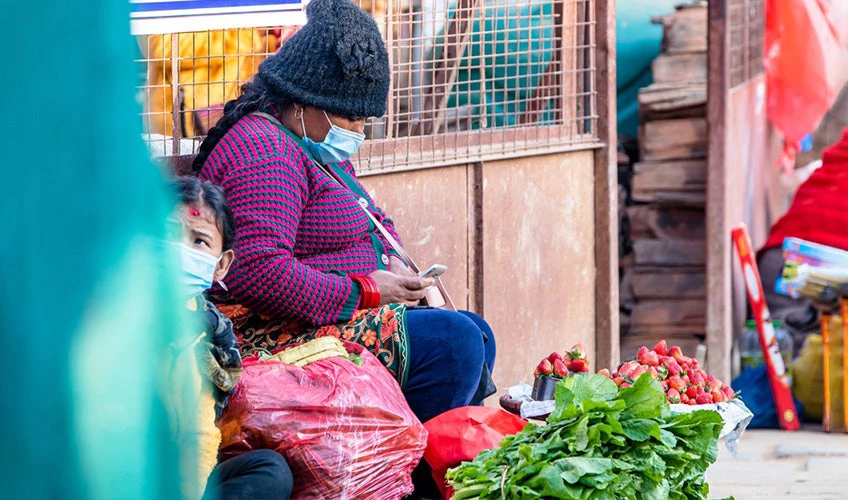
x=636, y=372
x=675, y=352
x=654, y=372
x=618, y=380
x=684, y=398
x=642, y=355
x=692, y=392
x=671, y=365
x=718, y=396
x=606, y=373
x=712, y=381
x=577, y=351
x=554, y=357
x=677, y=384
x=625, y=385
x=728, y=391
x=652, y=359
x=673, y=396
x=545, y=367
x=698, y=379
x=664, y=385
x=661, y=348
x=691, y=402
x=699, y=389
x=627, y=367
x=536, y=372
x=560, y=369
x=579, y=365
x=704, y=399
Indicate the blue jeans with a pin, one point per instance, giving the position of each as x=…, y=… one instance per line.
x=447, y=353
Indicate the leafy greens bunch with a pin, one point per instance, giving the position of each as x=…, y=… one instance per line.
x=601, y=442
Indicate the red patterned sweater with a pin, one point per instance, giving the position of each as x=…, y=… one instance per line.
x=299, y=234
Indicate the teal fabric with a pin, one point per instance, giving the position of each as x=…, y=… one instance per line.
x=513, y=43
x=637, y=44
x=87, y=306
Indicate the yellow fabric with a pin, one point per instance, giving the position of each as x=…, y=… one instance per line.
x=808, y=375
x=191, y=404
x=212, y=67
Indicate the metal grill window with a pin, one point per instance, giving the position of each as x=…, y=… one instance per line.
x=747, y=28
x=471, y=80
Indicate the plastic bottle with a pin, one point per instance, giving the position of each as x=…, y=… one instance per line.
x=750, y=352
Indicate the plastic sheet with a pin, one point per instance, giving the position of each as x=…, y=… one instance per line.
x=345, y=430
x=806, y=65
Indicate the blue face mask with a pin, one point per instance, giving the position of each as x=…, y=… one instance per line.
x=198, y=270
x=339, y=145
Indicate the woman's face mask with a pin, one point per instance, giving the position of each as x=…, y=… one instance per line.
x=339, y=145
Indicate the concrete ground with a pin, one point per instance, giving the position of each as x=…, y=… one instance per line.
x=808, y=464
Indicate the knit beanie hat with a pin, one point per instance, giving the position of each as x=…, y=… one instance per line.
x=336, y=62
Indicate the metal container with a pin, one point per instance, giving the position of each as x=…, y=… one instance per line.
x=544, y=388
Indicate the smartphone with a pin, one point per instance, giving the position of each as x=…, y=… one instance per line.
x=434, y=271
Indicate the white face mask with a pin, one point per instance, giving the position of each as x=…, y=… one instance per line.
x=198, y=270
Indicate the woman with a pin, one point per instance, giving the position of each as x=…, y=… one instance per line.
x=311, y=262
x=210, y=366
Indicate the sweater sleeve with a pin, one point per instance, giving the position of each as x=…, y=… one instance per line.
x=267, y=197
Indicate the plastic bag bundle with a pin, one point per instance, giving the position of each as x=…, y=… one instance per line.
x=345, y=430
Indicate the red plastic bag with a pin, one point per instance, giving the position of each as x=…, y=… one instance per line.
x=345, y=430
x=806, y=65
x=462, y=433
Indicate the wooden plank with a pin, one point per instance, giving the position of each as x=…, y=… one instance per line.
x=607, y=342
x=687, y=312
x=685, y=30
x=680, y=68
x=673, y=139
x=719, y=295
x=667, y=286
x=648, y=221
x=670, y=252
x=649, y=178
x=668, y=101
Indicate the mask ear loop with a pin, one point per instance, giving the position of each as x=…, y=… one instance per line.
x=298, y=114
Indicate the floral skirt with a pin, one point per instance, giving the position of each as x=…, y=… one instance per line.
x=381, y=330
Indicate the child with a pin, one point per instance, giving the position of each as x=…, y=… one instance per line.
x=204, y=236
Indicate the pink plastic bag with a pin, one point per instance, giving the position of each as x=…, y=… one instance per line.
x=346, y=431
x=806, y=65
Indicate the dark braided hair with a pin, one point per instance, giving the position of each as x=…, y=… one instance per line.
x=255, y=96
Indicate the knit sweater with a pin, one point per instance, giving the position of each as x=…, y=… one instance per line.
x=299, y=234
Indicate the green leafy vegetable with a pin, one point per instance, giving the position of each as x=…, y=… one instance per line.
x=601, y=442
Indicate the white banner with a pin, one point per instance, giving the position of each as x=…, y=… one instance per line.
x=150, y=17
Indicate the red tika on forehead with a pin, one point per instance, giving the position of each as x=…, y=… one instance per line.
x=193, y=212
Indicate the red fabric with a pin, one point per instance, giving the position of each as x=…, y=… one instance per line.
x=461, y=434
x=345, y=430
x=806, y=51
x=819, y=212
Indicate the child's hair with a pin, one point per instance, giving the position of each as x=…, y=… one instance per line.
x=191, y=190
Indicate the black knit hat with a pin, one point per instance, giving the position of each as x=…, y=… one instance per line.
x=337, y=62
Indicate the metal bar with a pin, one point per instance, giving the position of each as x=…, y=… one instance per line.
x=476, y=265
x=454, y=71
x=175, y=93
x=390, y=36
x=607, y=341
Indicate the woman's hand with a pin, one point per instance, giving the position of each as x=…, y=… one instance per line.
x=398, y=266
x=397, y=289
